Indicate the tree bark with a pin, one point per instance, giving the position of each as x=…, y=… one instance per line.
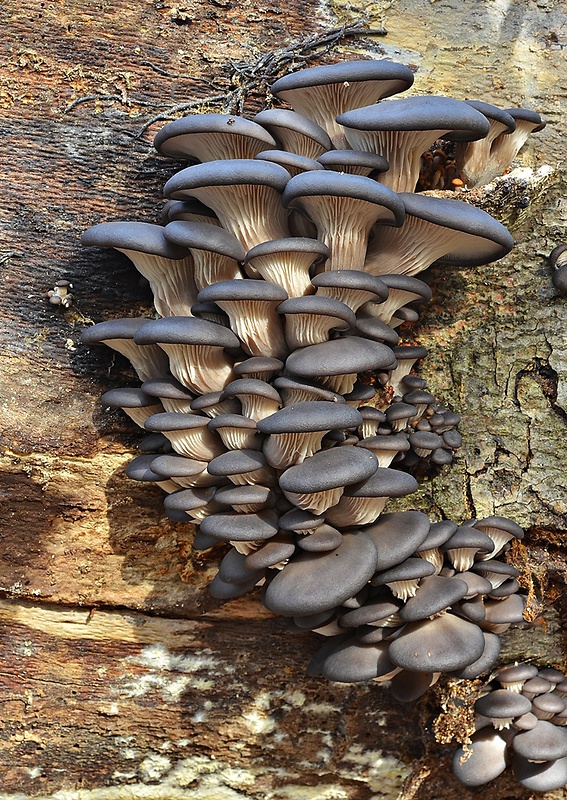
x=122, y=677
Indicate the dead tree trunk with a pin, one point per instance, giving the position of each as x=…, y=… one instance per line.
x=121, y=675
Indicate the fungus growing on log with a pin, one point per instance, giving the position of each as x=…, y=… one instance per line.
x=296, y=415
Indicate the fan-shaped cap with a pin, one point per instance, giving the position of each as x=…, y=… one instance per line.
x=527, y=115
x=322, y=540
x=354, y=280
x=226, y=172
x=123, y=328
x=358, y=162
x=323, y=92
x=346, y=71
x=212, y=136
x=484, y=759
x=314, y=582
x=484, y=238
x=396, y=536
x=434, y=594
x=417, y=114
x=186, y=330
x=127, y=398
x=202, y=236
x=540, y=777
x=291, y=161
x=501, y=704
x=328, y=469
x=144, y=237
x=350, y=355
x=231, y=526
x=545, y=742
x=352, y=661
x=296, y=132
x=242, y=290
x=442, y=644
x=168, y=388
x=310, y=416
x=490, y=112
x=335, y=184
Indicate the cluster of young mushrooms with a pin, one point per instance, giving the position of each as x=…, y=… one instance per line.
x=281, y=407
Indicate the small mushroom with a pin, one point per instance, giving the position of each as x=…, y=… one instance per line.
x=321, y=93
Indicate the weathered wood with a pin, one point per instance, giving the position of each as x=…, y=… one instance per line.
x=211, y=699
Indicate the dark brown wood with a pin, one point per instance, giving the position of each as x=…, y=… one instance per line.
x=120, y=673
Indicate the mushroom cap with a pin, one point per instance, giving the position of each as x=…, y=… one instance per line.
x=276, y=550
x=245, y=289
x=335, y=184
x=236, y=462
x=352, y=661
x=180, y=138
x=347, y=71
x=250, y=386
x=241, y=495
x=235, y=569
x=409, y=570
x=319, y=305
x=540, y=777
x=484, y=238
x=123, y=328
x=552, y=675
x=224, y=173
x=290, y=161
x=384, y=482
x=438, y=534
x=186, y=330
x=544, y=742
x=231, y=421
x=484, y=759
x=409, y=686
x=502, y=704
x=373, y=328
x=175, y=421
x=169, y=388
x=128, y=398
x=502, y=523
x=172, y=465
x=434, y=594
x=352, y=354
x=203, y=236
x=419, y=113
x=293, y=244
x=306, y=417
x=490, y=112
x=144, y=237
x=140, y=469
x=276, y=118
x=344, y=159
x=232, y=526
x=486, y=661
x=527, y=115
x=396, y=536
x=442, y=644
x=355, y=279
x=408, y=283
x=300, y=521
x=257, y=364
x=516, y=673
x=373, y=610
x=314, y=582
x=186, y=500
x=466, y=536
x=187, y=209
x=328, y=469
x=323, y=539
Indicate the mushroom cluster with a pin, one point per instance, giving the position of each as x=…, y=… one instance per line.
x=281, y=408
x=436, y=602
x=520, y=721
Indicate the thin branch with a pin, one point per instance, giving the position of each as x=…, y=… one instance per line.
x=245, y=77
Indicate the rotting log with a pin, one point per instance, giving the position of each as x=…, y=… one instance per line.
x=122, y=677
